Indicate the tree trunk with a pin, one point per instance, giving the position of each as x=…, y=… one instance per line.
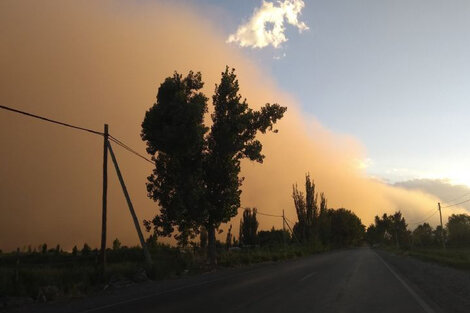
x=211, y=249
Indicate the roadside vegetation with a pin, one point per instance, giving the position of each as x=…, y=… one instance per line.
x=448, y=246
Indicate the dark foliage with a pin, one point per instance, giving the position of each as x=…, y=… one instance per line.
x=389, y=230
x=458, y=228
x=273, y=237
x=249, y=227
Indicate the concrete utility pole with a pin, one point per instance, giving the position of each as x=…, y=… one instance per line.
x=442, y=228
x=148, y=258
x=105, y=195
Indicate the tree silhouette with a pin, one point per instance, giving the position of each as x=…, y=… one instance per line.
x=228, y=239
x=458, y=227
x=196, y=178
x=232, y=138
x=86, y=250
x=423, y=235
x=307, y=210
x=174, y=132
x=388, y=230
x=249, y=227
x=346, y=228
x=116, y=244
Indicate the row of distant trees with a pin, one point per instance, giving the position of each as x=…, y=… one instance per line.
x=84, y=250
x=319, y=225
x=393, y=230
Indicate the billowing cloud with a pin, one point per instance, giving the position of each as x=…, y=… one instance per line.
x=448, y=193
x=266, y=26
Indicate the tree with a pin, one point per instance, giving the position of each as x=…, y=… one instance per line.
x=44, y=248
x=249, y=227
x=228, y=239
x=232, y=138
x=324, y=221
x=273, y=237
x=86, y=250
x=439, y=235
x=74, y=251
x=173, y=130
x=116, y=244
x=390, y=229
x=423, y=235
x=458, y=227
x=345, y=227
x=196, y=178
x=307, y=210
x=399, y=231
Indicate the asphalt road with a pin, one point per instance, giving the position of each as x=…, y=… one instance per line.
x=354, y=280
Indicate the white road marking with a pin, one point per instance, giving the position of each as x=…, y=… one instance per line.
x=418, y=299
x=307, y=276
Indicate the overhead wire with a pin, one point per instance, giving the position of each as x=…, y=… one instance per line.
x=448, y=202
x=111, y=138
x=427, y=218
x=468, y=200
x=123, y=145
x=51, y=120
x=272, y=215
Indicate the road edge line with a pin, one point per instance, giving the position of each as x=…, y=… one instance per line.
x=418, y=299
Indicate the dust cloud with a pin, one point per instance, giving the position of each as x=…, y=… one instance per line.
x=90, y=63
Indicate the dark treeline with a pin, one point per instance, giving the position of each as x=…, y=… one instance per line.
x=392, y=230
x=319, y=225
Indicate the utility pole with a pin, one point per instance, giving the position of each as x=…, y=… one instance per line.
x=105, y=194
x=442, y=228
x=283, y=228
x=292, y=231
x=148, y=258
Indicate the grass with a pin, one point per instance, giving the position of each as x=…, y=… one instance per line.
x=453, y=257
x=79, y=275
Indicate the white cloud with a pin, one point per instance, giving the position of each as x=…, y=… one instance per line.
x=266, y=26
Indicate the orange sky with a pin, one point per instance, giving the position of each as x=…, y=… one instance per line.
x=92, y=63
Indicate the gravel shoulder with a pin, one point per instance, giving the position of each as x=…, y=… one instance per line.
x=447, y=288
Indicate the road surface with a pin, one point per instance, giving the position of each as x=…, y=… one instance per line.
x=353, y=280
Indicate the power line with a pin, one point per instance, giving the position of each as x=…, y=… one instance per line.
x=258, y=212
x=458, y=198
x=427, y=218
x=123, y=145
x=455, y=204
x=51, y=120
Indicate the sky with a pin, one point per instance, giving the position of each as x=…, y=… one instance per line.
x=391, y=73
x=374, y=92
